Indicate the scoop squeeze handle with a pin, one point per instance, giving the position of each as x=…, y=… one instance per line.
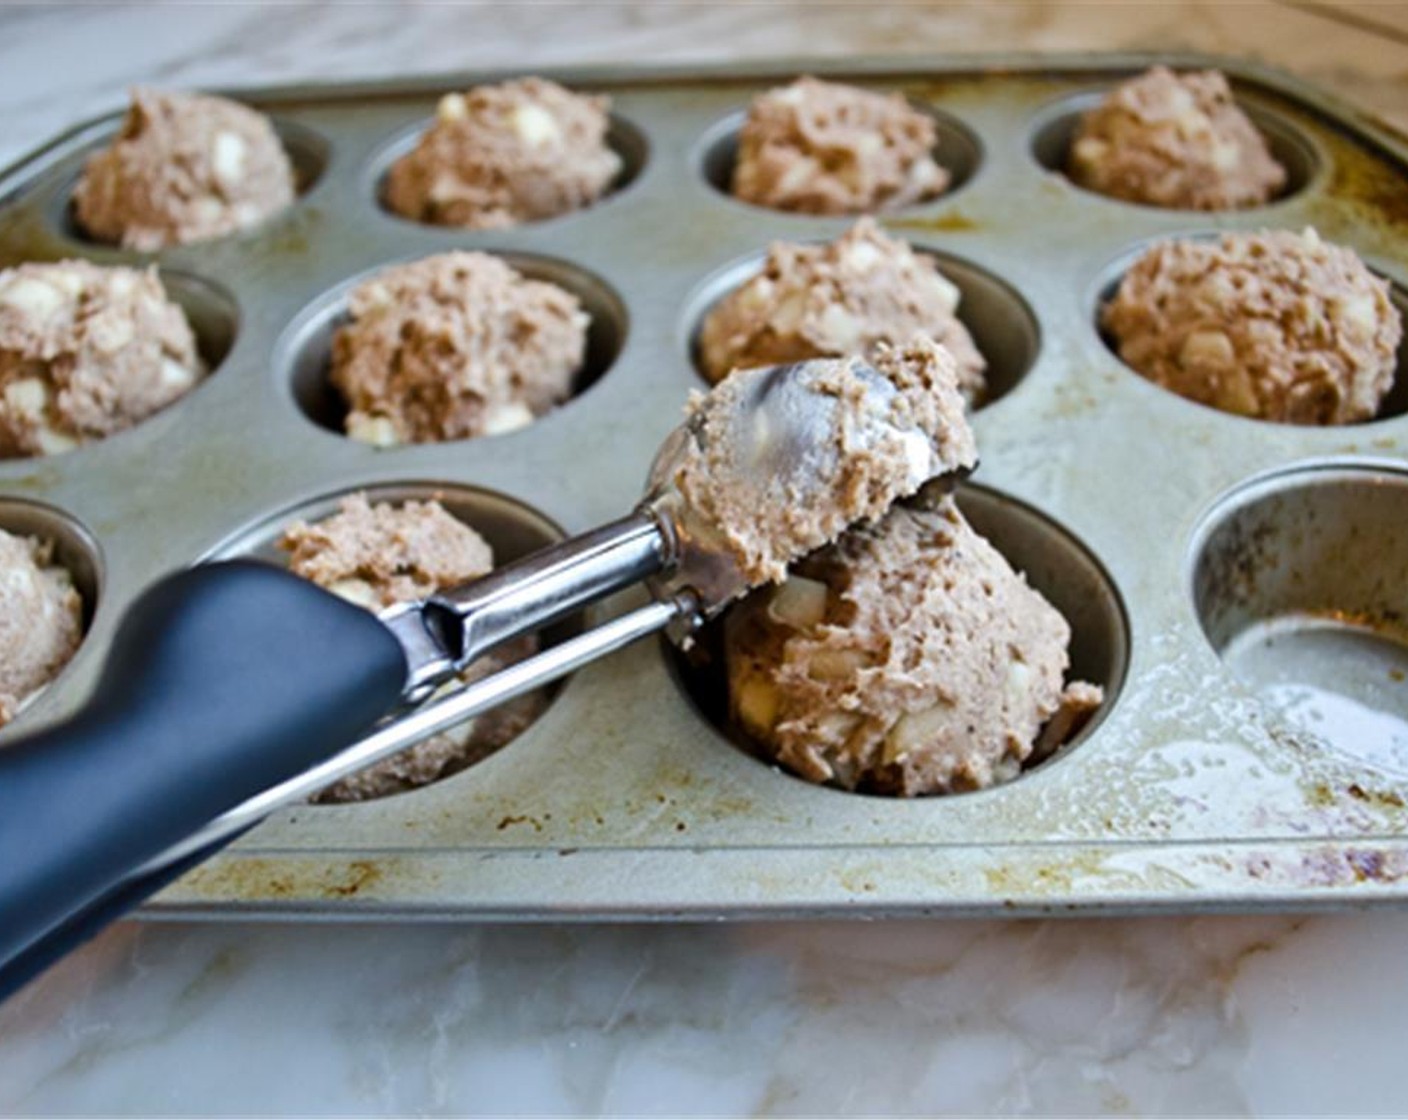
x=222, y=680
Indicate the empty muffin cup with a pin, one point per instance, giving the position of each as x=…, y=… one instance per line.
x=1298, y=579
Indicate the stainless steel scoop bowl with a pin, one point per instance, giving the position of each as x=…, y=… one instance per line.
x=233, y=688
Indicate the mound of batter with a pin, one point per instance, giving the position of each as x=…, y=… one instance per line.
x=377, y=555
x=185, y=167
x=817, y=147
x=763, y=524
x=847, y=297
x=86, y=351
x=1179, y=141
x=501, y=155
x=455, y=346
x=1274, y=325
x=906, y=659
x=41, y=620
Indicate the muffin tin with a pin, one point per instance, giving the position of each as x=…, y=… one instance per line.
x=1197, y=555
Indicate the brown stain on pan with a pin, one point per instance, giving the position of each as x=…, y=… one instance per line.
x=1061, y=877
x=265, y=880
x=24, y=237
x=1367, y=178
x=36, y=482
x=955, y=221
x=517, y=819
x=1384, y=799
x=1323, y=795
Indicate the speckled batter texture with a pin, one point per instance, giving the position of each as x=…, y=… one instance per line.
x=377, y=555
x=863, y=476
x=86, y=351
x=819, y=147
x=185, y=167
x=455, y=346
x=1179, y=141
x=41, y=620
x=907, y=659
x=1274, y=325
x=836, y=299
x=500, y=155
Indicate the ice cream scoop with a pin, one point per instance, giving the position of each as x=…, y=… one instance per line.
x=233, y=688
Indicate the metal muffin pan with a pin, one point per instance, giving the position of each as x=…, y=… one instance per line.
x=1166, y=531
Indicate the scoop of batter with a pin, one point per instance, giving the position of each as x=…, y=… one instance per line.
x=455, y=346
x=819, y=147
x=41, y=620
x=377, y=555
x=831, y=300
x=1180, y=141
x=500, y=155
x=185, y=167
x=723, y=476
x=86, y=351
x=908, y=658
x=1276, y=326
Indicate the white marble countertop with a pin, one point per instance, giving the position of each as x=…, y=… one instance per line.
x=1225, y=1015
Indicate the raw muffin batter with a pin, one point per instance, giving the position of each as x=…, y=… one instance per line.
x=86, y=351
x=41, y=620
x=455, y=346
x=1274, y=325
x=1180, y=141
x=185, y=167
x=819, y=147
x=500, y=155
x=864, y=473
x=908, y=659
x=382, y=554
x=832, y=300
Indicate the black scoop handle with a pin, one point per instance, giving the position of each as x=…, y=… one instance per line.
x=222, y=680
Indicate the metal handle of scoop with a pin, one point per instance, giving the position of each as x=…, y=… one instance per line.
x=454, y=627
x=440, y=715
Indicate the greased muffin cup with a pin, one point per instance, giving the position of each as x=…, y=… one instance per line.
x=1208, y=564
